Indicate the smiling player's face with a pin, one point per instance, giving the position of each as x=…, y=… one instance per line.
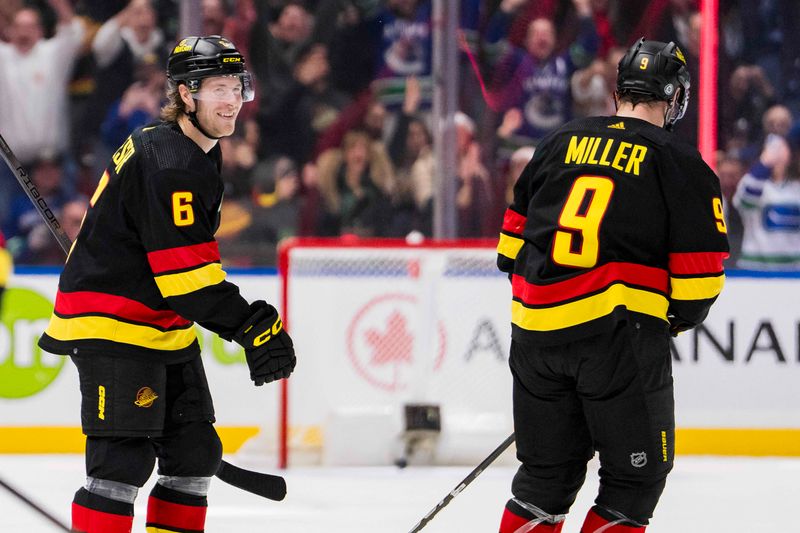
x=218, y=103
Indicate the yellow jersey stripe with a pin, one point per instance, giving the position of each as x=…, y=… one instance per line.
x=696, y=288
x=509, y=246
x=104, y=328
x=191, y=280
x=588, y=309
x=151, y=529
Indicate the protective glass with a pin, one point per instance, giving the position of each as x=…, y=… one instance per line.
x=228, y=92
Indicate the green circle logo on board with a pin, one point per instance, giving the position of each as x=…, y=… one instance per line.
x=24, y=369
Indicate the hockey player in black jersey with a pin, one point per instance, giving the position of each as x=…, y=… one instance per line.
x=144, y=267
x=614, y=240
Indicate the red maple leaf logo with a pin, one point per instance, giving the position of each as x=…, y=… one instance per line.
x=394, y=345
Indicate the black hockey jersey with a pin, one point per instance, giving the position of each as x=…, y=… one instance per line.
x=145, y=264
x=612, y=218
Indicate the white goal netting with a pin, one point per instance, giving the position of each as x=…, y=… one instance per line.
x=382, y=326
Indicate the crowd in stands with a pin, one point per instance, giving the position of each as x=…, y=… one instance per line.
x=339, y=138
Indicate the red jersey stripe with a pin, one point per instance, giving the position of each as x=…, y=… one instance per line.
x=88, y=302
x=513, y=222
x=183, y=257
x=696, y=262
x=175, y=515
x=589, y=282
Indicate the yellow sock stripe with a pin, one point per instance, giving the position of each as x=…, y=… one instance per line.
x=190, y=281
x=695, y=288
x=100, y=327
x=587, y=309
x=69, y=439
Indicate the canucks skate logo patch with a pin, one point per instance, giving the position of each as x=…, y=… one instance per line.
x=145, y=397
x=638, y=459
x=618, y=126
x=782, y=217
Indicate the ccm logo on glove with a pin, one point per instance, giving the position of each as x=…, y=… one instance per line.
x=267, y=335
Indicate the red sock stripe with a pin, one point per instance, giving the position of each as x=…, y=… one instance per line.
x=511, y=522
x=594, y=522
x=175, y=516
x=85, y=520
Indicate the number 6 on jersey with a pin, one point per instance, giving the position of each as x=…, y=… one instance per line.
x=583, y=212
x=182, y=212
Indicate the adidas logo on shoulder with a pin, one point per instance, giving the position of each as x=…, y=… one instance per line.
x=618, y=126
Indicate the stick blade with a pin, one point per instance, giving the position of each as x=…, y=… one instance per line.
x=265, y=485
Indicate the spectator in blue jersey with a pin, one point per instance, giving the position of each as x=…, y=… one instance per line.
x=47, y=174
x=404, y=40
x=140, y=104
x=536, y=80
x=768, y=200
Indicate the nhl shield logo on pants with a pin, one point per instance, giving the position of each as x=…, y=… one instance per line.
x=638, y=459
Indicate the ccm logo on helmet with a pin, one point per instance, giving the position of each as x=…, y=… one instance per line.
x=267, y=335
x=231, y=59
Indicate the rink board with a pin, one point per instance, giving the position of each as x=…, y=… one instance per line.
x=735, y=379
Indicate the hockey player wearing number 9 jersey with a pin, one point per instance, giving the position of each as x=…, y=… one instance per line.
x=614, y=240
x=144, y=267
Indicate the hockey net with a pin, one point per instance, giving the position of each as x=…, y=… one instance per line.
x=402, y=352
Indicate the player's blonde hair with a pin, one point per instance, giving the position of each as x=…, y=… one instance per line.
x=175, y=106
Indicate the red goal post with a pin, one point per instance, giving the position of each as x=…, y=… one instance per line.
x=381, y=323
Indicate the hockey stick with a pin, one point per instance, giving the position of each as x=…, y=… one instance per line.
x=33, y=194
x=464, y=482
x=266, y=485
x=35, y=506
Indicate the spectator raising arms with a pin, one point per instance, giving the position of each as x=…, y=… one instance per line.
x=34, y=73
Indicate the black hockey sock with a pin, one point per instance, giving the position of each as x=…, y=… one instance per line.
x=172, y=511
x=92, y=513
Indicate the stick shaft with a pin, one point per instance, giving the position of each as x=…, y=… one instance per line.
x=33, y=194
x=464, y=482
x=55, y=521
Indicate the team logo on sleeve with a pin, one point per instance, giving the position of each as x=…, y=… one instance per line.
x=145, y=397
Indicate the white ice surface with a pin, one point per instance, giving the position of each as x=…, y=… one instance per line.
x=703, y=495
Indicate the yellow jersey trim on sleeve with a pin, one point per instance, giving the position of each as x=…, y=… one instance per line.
x=696, y=288
x=190, y=281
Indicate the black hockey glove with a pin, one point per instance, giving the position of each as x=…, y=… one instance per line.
x=267, y=346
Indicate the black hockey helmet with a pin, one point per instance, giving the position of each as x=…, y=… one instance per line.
x=195, y=58
x=657, y=69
